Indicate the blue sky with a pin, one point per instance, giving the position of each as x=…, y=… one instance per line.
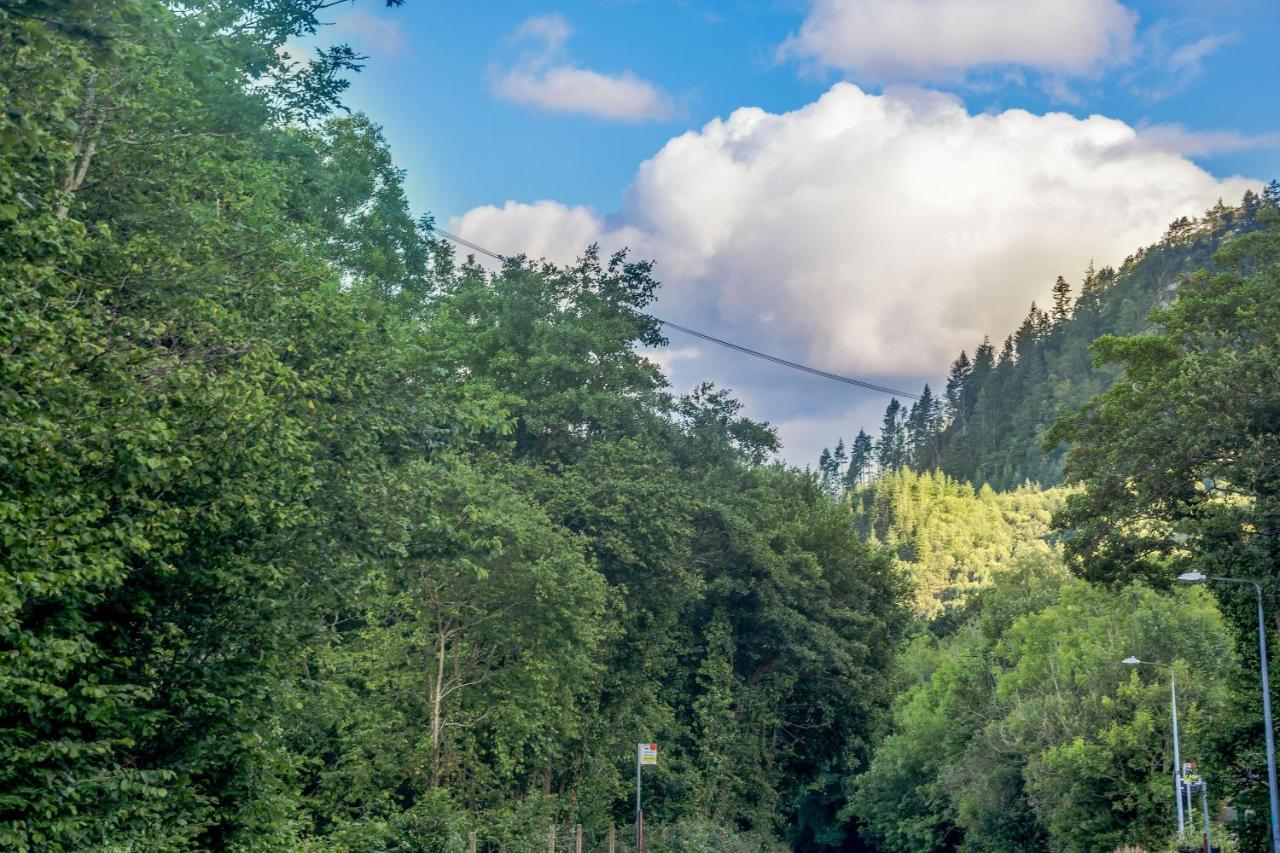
x=865, y=267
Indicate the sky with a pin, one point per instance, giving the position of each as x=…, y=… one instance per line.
x=867, y=186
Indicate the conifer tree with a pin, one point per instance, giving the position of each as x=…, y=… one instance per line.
x=1007, y=351
x=1271, y=195
x=956, y=382
x=860, y=458
x=922, y=432
x=1249, y=205
x=1061, y=301
x=891, y=446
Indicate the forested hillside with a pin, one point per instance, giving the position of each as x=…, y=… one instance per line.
x=989, y=424
x=950, y=539
x=1016, y=727
x=318, y=537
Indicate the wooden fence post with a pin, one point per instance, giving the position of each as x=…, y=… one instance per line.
x=577, y=839
x=472, y=844
x=611, y=838
x=551, y=843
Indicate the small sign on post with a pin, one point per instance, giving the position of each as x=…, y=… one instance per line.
x=646, y=754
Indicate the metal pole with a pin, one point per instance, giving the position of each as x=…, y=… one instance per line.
x=1266, y=721
x=1177, y=752
x=1204, y=801
x=639, y=811
x=1190, y=801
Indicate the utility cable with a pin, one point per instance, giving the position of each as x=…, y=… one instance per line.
x=794, y=365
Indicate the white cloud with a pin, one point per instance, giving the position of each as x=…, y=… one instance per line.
x=874, y=235
x=1172, y=58
x=1199, y=143
x=544, y=229
x=541, y=79
x=667, y=358
x=932, y=39
x=1189, y=59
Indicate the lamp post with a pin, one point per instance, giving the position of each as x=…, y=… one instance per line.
x=1198, y=577
x=1177, y=751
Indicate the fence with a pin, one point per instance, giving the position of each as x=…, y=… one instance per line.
x=621, y=838
x=565, y=839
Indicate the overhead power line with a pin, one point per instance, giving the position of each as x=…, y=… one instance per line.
x=464, y=242
x=794, y=365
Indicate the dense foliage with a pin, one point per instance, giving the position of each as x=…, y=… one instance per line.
x=951, y=539
x=1023, y=732
x=315, y=537
x=1172, y=469
x=1179, y=462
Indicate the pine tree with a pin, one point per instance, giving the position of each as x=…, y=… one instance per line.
x=1040, y=322
x=1249, y=205
x=1006, y=352
x=1024, y=340
x=860, y=453
x=922, y=425
x=1271, y=195
x=825, y=468
x=1061, y=301
x=890, y=447
x=961, y=368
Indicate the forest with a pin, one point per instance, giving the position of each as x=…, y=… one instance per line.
x=319, y=535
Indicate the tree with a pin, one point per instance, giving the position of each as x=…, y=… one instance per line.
x=891, y=445
x=1061, y=301
x=860, y=460
x=1019, y=731
x=1178, y=458
x=957, y=380
x=838, y=458
x=1182, y=442
x=1271, y=195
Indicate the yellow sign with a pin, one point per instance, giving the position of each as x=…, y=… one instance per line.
x=647, y=753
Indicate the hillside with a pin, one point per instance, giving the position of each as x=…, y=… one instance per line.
x=989, y=424
x=951, y=539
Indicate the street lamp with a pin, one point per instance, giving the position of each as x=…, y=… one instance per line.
x=1198, y=577
x=1177, y=752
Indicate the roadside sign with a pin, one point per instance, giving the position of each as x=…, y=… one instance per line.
x=647, y=752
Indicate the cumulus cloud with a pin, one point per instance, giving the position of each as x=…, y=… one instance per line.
x=875, y=235
x=931, y=39
x=544, y=229
x=543, y=80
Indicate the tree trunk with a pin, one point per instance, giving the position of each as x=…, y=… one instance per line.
x=90, y=122
x=437, y=698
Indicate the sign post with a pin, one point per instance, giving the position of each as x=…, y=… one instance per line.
x=646, y=753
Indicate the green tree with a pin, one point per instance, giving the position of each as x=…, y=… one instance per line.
x=1023, y=732
x=1178, y=459
x=860, y=460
